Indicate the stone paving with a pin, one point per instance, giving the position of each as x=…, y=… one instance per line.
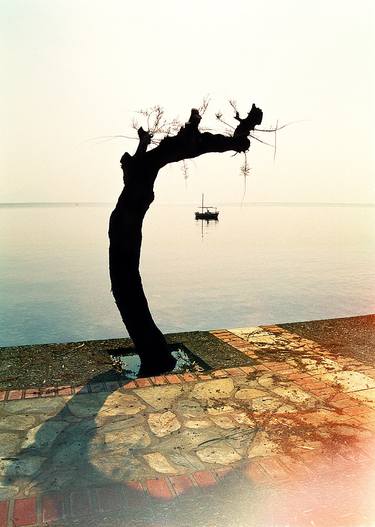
x=288, y=440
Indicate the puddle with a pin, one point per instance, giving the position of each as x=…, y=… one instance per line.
x=129, y=365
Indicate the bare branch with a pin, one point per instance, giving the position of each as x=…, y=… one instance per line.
x=245, y=168
x=157, y=123
x=105, y=138
x=135, y=124
x=260, y=140
x=277, y=127
x=194, y=120
x=157, y=115
x=233, y=104
x=144, y=141
x=203, y=107
x=245, y=171
x=219, y=117
x=190, y=142
x=185, y=169
x=254, y=117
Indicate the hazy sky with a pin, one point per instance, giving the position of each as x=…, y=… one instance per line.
x=73, y=70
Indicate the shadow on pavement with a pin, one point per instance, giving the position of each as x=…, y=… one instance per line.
x=81, y=451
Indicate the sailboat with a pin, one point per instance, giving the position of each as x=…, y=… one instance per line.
x=207, y=213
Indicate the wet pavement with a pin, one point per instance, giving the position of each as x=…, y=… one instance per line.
x=288, y=439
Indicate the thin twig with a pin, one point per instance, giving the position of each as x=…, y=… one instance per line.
x=274, y=152
x=203, y=107
x=105, y=138
x=280, y=127
x=260, y=140
x=233, y=104
x=219, y=117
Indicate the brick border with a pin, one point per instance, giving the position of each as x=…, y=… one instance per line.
x=175, y=378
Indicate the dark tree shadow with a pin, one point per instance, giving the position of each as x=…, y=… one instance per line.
x=63, y=459
x=58, y=460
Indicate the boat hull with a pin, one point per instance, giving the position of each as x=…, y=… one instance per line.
x=206, y=215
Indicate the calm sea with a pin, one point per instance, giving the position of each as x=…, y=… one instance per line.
x=256, y=265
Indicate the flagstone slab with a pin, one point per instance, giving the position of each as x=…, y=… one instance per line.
x=185, y=461
x=72, y=451
x=247, y=330
x=266, y=404
x=8, y=491
x=190, y=408
x=350, y=431
x=135, y=437
x=162, y=424
x=262, y=445
x=23, y=465
x=160, y=463
x=118, y=467
x=367, y=397
x=349, y=381
x=248, y=394
x=53, y=479
x=243, y=418
x=250, y=332
x=120, y=404
x=197, y=423
x=287, y=409
x=302, y=445
x=319, y=366
x=220, y=453
x=321, y=417
x=240, y=439
x=262, y=339
x=188, y=440
x=160, y=397
x=86, y=405
x=80, y=428
x=9, y=444
x=118, y=425
x=247, y=382
x=219, y=409
x=223, y=421
x=17, y=422
x=48, y=406
x=216, y=389
x=120, y=440
x=293, y=394
x=267, y=380
x=43, y=435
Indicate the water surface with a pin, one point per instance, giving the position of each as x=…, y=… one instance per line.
x=256, y=265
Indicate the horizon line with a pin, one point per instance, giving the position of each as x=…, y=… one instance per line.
x=246, y=203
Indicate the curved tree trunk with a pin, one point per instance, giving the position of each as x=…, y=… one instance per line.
x=125, y=227
x=125, y=234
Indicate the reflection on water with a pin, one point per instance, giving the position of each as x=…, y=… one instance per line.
x=205, y=225
x=129, y=365
x=257, y=265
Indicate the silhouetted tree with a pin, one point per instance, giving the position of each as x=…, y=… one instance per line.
x=125, y=228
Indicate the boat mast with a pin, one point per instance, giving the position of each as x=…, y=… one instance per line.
x=202, y=201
